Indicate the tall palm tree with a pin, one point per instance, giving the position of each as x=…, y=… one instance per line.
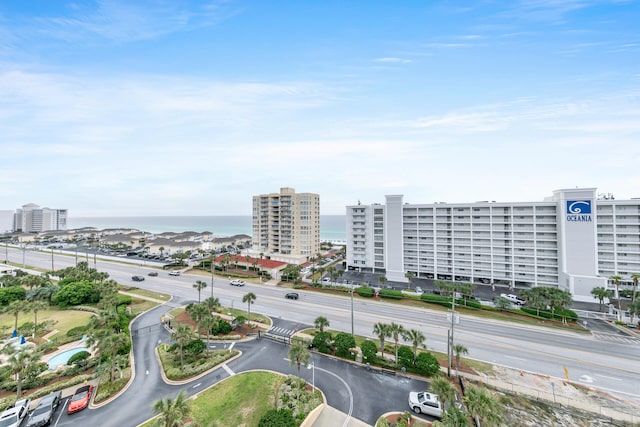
x=409, y=275
x=172, y=411
x=181, y=335
x=616, y=280
x=416, y=338
x=396, y=331
x=381, y=330
x=299, y=354
x=36, y=306
x=108, y=344
x=249, y=298
x=445, y=391
x=199, y=286
x=212, y=303
x=15, y=307
x=18, y=361
x=634, y=277
x=208, y=322
x=482, y=406
x=321, y=323
x=459, y=350
x=601, y=293
x=197, y=313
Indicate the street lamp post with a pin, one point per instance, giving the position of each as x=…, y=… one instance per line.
x=312, y=366
x=450, y=340
x=52, y=269
x=24, y=251
x=352, y=332
x=211, y=278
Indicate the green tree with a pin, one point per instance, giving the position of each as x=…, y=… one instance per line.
x=173, y=412
x=502, y=303
x=212, y=303
x=557, y=298
x=181, y=335
x=616, y=281
x=10, y=294
x=298, y=355
x=634, y=279
x=459, y=350
x=108, y=344
x=483, y=407
x=108, y=292
x=199, y=286
x=19, y=361
x=445, y=391
x=396, y=331
x=382, y=280
x=14, y=308
x=416, y=338
x=36, y=306
x=382, y=331
x=600, y=293
x=452, y=417
x=321, y=323
x=634, y=308
x=427, y=364
x=197, y=313
x=249, y=298
x=409, y=275
x=344, y=342
x=209, y=322
x=369, y=350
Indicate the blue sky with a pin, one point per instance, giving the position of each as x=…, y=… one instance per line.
x=116, y=108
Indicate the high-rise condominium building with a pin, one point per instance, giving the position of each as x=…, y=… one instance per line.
x=573, y=240
x=286, y=225
x=32, y=218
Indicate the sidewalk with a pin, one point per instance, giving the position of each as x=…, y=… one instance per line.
x=331, y=417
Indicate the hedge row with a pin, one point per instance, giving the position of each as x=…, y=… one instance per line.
x=568, y=315
x=446, y=301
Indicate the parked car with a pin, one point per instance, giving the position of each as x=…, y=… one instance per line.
x=174, y=273
x=43, y=414
x=15, y=414
x=153, y=273
x=80, y=399
x=292, y=295
x=326, y=281
x=237, y=282
x=419, y=290
x=514, y=299
x=137, y=278
x=422, y=402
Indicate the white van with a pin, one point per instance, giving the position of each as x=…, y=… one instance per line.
x=425, y=403
x=514, y=299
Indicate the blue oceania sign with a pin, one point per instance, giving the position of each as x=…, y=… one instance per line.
x=579, y=210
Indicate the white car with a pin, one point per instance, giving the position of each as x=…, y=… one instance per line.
x=418, y=290
x=237, y=282
x=14, y=414
x=422, y=402
x=174, y=273
x=514, y=299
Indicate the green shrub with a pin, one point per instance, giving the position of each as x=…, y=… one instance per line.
x=390, y=293
x=78, y=357
x=405, y=356
x=427, y=364
x=124, y=299
x=278, y=418
x=322, y=341
x=365, y=292
x=195, y=347
x=344, y=342
x=369, y=351
x=224, y=327
x=77, y=332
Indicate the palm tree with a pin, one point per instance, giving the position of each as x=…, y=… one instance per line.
x=36, y=306
x=249, y=298
x=15, y=307
x=601, y=293
x=211, y=303
x=381, y=330
x=452, y=417
x=383, y=280
x=616, y=280
x=416, y=338
x=161, y=249
x=199, y=286
x=208, y=322
x=299, y=354
x=459, y=349
x=197, y=313
x=445, y=391
x=172, y=411
x=482, y=406
x=321, y=323
x=634, y=277
x=18, y=361
x=396, y=331
x=182, y=336
x=409, y=275
x=108, y=344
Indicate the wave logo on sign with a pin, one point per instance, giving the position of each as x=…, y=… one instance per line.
x=579, y=210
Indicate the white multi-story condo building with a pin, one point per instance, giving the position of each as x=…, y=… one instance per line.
x=32, y=218
x=6, y=221
x=573, y=240
x=286, y=225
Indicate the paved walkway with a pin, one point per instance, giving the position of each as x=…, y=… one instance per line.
x=331, y=417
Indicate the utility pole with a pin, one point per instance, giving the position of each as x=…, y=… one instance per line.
x=211, y=278
x=352, y=332
x=52, y=269
x=450, y=341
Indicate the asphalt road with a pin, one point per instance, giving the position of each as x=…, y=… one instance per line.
x=610, y=366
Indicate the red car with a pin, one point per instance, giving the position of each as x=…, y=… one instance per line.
x=80, y=399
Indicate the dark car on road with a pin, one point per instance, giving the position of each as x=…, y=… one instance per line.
x=137, y=278
x=43, y=414
x=292, y=295
x=153, y=273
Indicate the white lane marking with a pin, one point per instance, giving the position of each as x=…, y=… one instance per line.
x=231, y=346
x=514, y=357
x=197, y=385
x=608, y=377
x=228, y=369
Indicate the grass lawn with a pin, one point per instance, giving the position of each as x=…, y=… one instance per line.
x=238, y=401
x=63, y=319
x=146, y=293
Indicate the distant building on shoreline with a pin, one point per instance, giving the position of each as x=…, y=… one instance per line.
x=574, y=240
x=286, y=225
x=31, y=218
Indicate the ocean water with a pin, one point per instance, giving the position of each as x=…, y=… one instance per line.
x=332, y=227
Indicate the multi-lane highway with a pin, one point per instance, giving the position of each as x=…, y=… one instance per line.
x=607, y=366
